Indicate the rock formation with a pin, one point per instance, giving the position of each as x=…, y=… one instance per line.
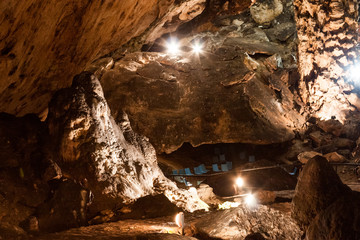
x=327, y=33
x=239, y=222
x=43, y=45
x=318, y=187
x=323, y=205
x=115, y=163
x=223, y=95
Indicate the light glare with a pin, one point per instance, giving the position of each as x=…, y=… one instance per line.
x=197, y=48
x=250, y=200
x=173, y=46
x=239, y=182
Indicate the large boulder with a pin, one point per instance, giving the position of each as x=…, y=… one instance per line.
x=318, y=187
x=224, y=95
x=116, y=164
x=238, y=223
x=340, y=221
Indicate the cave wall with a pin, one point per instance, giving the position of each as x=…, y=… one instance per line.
x=43, y=44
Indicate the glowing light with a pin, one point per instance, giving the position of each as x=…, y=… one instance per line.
x=353, y=74
x=227, y=205
x=197, y=48
x=250, y=200
x=239, y=182
x=173, y=46
x=179, y=219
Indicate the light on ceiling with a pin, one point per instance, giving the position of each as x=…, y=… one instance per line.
x=173, y=46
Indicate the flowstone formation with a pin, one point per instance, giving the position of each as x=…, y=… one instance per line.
x=116, y=164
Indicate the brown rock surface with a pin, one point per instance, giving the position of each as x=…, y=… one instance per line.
x=340, y=221
x=115, y=163
x=43, y=44
x=318, y=187
x=239, y=222
x=222, y=96
x=304, y=157
x=334, y=157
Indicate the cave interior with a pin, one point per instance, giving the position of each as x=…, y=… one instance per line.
x=179, y=119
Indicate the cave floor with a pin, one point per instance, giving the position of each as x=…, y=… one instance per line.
x=155, y=228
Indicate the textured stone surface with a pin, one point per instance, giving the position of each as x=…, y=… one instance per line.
x=115, y=163
x=327, y=33
x=318, y=187
x=44, y=44
x=239, y=222
x=66, y=209
x=224, y=95
x=265, y=11
x=341, y=220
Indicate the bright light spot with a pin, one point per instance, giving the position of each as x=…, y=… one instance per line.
x=197, y=47
x=179, y=219
x=173, y=46
x=250, y=200
x=227, y=205
x=239, y=182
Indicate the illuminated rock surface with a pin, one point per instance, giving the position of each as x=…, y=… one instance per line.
x=222, y=96
x=43, y=45
x=239, y=222
x=115, y=163
x=318, y=187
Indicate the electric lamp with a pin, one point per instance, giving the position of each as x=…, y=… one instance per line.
x=173, y=46
x=197, y=48
x=180, y=221
x=239, y=182
x=250, y=200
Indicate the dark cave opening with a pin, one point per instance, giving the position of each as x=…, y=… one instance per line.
x=261, y=166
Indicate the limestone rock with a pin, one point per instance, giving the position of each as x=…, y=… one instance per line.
x=152, y=207
x=304, y=157
x=66, y=209
x=216, y=97
x=344, y=143
x=320, y=139
x=297, y=147
x=281, y=32
x=331, y=126
x=117, y=165
x=334, y=157
x=237, y=223
x=44, y=45
x=265, y=197
x=317, y=188
x=205, y=193
x=341, y=220
x=265, y=11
